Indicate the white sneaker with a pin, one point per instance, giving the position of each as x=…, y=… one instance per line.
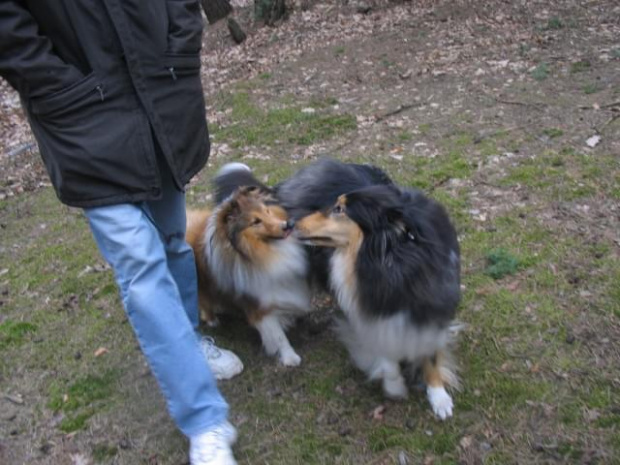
x=213, y=447
x=223, y=363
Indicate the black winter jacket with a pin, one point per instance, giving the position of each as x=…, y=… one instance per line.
x=99, y=80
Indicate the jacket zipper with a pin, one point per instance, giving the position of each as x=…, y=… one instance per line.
x=99, y=89
x=174, y=75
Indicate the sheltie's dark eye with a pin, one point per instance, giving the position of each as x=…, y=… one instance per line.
x=256, y=221
x=337, y=210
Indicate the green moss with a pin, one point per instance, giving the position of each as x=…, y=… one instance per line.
x=554, y=23
x=14, y=332
x=82, y=392
x=541, y=72
x=501, y=263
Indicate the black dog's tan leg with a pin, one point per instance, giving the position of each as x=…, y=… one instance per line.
x=440, y=400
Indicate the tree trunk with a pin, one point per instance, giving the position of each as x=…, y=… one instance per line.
x=216, y=9
x=269, y=11
x=235, y=31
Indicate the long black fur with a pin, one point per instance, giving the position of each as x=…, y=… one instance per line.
x=409, y=257
x=317, y=186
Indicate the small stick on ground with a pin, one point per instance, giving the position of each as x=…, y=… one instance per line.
x=524, y=104
x=607, y=123
x=398, y=110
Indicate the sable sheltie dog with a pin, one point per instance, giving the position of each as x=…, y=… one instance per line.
x=395, y=271
x=246, y=259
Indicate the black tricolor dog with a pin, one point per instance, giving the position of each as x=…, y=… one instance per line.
x=395, y=270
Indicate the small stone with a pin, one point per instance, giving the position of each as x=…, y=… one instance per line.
x=345, y=431
x=410, y=423
x=363, y=8
x=16, y=399
x=485, y=446
x=124, y=444
x=402, y=458
x=593, y=141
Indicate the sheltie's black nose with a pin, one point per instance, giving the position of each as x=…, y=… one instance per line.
x=288, y=225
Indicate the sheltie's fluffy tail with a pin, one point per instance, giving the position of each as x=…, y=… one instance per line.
x=231, y=167
x=230, y=177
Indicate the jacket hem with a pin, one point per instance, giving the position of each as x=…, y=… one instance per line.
x=111, y=200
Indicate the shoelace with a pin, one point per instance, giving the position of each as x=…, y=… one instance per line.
x=210, y=349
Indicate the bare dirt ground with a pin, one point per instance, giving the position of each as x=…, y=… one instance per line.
x=506, y=111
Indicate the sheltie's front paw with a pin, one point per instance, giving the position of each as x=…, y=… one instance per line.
x=440, y=401
x=289, y=358
x=395, y=388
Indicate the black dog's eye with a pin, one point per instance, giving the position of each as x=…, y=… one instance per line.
x=337, y=210
x=256, y=221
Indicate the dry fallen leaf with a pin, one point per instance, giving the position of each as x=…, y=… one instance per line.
x=100, y=351
x=466, y=442
x=377, y=413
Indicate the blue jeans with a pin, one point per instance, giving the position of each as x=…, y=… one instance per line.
x=156, y=273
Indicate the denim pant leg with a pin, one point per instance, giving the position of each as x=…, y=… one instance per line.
x=168, y=214
x=133, y=246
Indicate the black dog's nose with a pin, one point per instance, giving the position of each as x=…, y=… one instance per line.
x=288, y=225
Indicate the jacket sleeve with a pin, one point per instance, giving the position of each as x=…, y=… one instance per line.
x=185, y=26
x=27, y=60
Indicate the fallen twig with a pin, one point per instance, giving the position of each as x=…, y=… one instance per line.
x=400, y=109
x=607, y=123
x=525, y=104
x=612, y=104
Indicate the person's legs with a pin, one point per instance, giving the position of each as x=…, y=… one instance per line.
x=168, y=217
x=132, y=244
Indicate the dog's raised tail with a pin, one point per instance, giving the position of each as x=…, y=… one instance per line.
x=231, y=176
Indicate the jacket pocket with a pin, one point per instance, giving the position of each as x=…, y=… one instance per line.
x=178, y=101
x=83, y=92
x=180, y=64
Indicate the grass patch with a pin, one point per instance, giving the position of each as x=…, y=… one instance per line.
x=589, y=89
x=103, y=452
x=501, y=263
x=75, y=422
x=424, y=128
x=580, y=66
x=252, y=126
x=14, y=332
x=552, y=133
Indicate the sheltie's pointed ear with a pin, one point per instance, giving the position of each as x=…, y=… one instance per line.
x=231, y=211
